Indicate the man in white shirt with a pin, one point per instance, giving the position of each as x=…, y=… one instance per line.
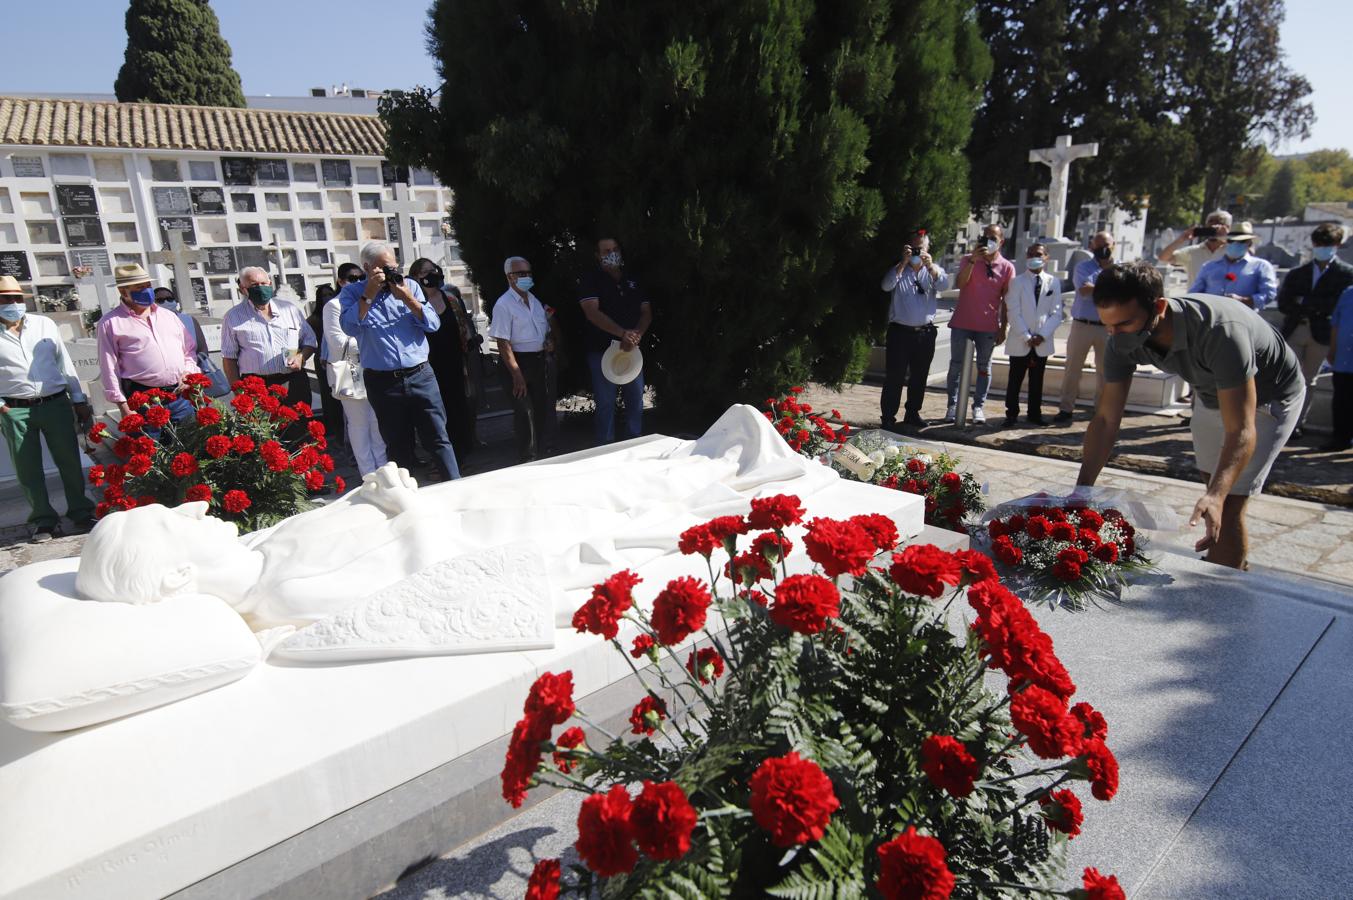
x=266, y=336
x=40, y=399
x=526, y=332
x=1213, y=245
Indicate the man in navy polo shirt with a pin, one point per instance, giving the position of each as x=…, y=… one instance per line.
x=617, y=309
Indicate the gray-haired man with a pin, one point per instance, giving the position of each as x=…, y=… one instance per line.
x=267, y=336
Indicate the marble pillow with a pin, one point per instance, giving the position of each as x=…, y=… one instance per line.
x=66, y=663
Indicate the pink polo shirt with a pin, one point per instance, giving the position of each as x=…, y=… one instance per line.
x=154, y=349
x=979, y=301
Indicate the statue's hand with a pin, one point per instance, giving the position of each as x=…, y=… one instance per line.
x=390, y=488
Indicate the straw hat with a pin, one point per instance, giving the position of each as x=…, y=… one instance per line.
x=130, y=274
x=10, y=285
x=620, y=367
x=1243, y=231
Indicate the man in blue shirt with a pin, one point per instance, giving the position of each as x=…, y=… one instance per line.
x=1340, y=357
x=387, y=315
x=1239, y=274
x=913, y=284
x=1087, y=333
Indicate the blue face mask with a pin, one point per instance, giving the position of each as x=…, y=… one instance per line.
x=143, y=297
x=1034, y=264
x=11, y=312
x=526, y=283
x=1324, y=254
x=1236, y=250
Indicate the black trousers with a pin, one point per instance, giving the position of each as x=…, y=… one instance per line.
x=331, y=408
x=1035, y=365
x=909, y=352
x=533, y=416
x=406, y=404
x=1341, y=408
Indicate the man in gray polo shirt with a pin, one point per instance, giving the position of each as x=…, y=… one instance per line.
x=1247, y=391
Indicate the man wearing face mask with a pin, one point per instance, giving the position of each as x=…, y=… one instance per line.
x=526, y=332
x=1087, y=333
x=1211, y=237
x=41, y=400
x=913, y=284
x=1247, y=392
x=143, y=346
x=1034, y=309
x=165, y=297
x=1306, y=300
x=984, y=277
x=617, y=309
x=1239, y=274
x=266, y=336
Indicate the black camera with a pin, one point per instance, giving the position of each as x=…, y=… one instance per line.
x=392, y=275
x=1206, y=232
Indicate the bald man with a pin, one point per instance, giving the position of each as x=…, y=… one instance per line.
x=1087, y=332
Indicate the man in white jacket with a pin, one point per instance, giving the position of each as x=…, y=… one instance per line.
x=1034, y=310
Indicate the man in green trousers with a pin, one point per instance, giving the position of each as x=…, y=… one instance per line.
x=40, y=399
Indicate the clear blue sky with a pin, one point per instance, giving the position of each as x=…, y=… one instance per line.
x=286, y=47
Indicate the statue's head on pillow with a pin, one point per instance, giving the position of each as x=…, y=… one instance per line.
x=146, y=554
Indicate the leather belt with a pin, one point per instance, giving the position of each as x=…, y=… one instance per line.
x=24, y=402
x=397, y=373
x=916, y=328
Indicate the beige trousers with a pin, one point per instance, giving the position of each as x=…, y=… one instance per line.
x=1310, y=355
x=1082, y=339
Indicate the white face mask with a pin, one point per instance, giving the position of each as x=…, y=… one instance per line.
x=1035, y=264
x=612, y=260
x=11, y=312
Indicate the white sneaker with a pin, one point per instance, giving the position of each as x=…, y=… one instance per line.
x=979, y=415
x=950, y=414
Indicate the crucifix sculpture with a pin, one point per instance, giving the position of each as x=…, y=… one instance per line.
x=1058, y=158
x=180, y=259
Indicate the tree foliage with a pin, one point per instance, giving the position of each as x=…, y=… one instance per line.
x=175, y=54
x=760, y=162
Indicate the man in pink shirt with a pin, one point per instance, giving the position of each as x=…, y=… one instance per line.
x=143, y=346
x=979, y=318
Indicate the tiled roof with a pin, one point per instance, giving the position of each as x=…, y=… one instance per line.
x=160, y=126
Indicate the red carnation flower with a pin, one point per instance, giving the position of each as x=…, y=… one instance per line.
x=707, y=665
x=725, y=530
x=948, y=764
x=642, y=646
x=1063, y=531
x=270, y=404
x=97, y=432
x=662, y=820
x=198, y=492
x=157, y=417
x=196, y=380
x=236, y=501
x=1056, y=514
x=1092, y=719
x=544, y=882
x=287, y=414
x=138, y=465
x=924, y=570
x=1038, y=527
x=1090, y=519
x=697, y=539
x=839, y=547
x=550, y=701
x=1102, y=887
x=775, y=513
x=912, y=867
x=1006, y=551
x=571, y=739
x=305, y=411
x=881, y=529
x=771, y=547
x=680, y=609
x=277, y=390
x=1102, y=766
x=340, y=485
x=243, y=404
x=951, y=480
x=602, y=613
x=314, y=481
x=1043, y=718
x=1014, y=524
x=519, y=767
x=218, y=445
x=316, y=429
x=1066, y=571
x=605, y=836
x=797, y=389
x=748, y=568
x=804, y=603
x=1107, y=553
x=131, y=423
x=915, y=466
x=976, y=567
x=647, y=715
x=996, y=529
x=1062, y=812
x=96, y=475
x=792, y=798
x=1230, y=276
x=242, y=444
x=891, y=482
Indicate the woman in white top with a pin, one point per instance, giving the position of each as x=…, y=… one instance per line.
x=1034, y=310
x=364, y=435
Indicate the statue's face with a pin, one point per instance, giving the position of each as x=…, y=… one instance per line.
x=185, y=534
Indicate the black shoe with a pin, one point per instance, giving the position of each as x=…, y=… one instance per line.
x=888, y=424
x=1036, y=420
x=84, y=526
x=1010, y=420
x=45, y=534
x=1062, y=416
x=1298, y=432
x=914, y=420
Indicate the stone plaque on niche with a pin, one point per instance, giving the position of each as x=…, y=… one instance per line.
x=76, y=200
x=83, y=231
x=14, y=263
x=237, y=169
x=220, y=261
x=208, y=201
x=171, y=201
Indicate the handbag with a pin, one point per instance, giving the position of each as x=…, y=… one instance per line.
x=345, y=376
x=220, y=385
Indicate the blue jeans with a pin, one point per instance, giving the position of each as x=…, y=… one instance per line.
x=959, y=354
x=407, y=405
x=604, y=392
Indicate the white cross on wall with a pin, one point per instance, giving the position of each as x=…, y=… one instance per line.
x=180, y=259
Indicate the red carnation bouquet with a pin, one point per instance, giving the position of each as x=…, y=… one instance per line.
x=1066, y=551
x=236, y=456
x=808, y=432
x=817, y=733
x=953, y=497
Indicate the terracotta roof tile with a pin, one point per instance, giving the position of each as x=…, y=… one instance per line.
x=158, y=126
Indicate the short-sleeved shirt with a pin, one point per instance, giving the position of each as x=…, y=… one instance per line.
x=621, y=300
x=979, y=301
x=1083, y=307
x=523, y=324
x=1218, y=344
x=1194, y=257
x=262, y=346
x=1341, y=324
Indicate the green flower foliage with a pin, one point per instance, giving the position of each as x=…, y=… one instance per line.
x=175, y=54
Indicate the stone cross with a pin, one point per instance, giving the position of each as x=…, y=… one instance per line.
x=98, y=282
x=276, y=248
x=1058, y=158
x=180, y=258
x=403, y=208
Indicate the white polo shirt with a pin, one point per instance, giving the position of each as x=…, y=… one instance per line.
x=522, y=323
x=261, y=346
x=34, y=363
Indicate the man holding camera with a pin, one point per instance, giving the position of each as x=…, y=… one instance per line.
x=1087, y=333
x=913, y=284
x=1212, y=238
x=388, y=316
x=1307, y=299
x=984, y=276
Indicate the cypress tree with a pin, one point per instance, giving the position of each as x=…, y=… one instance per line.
x=175, y=54
x=761, y=162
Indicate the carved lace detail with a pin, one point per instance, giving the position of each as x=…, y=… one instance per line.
x=19, y=711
